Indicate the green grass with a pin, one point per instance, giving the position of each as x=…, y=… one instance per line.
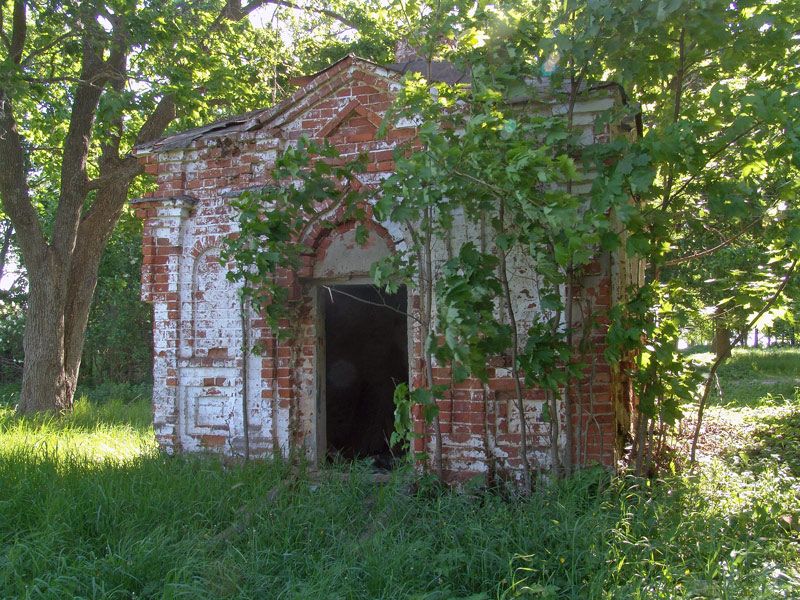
x=89, y=508
x=756, y=378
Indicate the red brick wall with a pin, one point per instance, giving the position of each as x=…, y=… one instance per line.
x=200, y=367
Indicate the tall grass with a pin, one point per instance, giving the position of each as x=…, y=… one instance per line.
x=89, y=508
x=113, y=431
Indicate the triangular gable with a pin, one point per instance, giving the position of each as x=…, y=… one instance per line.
x=316, y=88
x=353, y=108
x=322, y=86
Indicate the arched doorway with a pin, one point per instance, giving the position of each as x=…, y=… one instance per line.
x=361, y=347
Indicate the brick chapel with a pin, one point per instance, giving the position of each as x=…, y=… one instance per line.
x=328, y=392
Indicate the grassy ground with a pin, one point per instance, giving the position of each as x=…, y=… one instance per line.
x=88, y=508
x=753, y=378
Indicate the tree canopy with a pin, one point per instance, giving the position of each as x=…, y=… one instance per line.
x=80, y=85
x=704, y=191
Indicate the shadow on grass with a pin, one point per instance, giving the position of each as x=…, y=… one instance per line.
x=775, y=440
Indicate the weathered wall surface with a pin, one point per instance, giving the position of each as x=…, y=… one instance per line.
x=201, y=370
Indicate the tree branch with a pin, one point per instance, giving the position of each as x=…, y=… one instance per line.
x=126, y=168
x=720, y=246
x=336, y=16
x=14, y=192
x=19, y=30
x=677, y=83
x=234, y=11
x=158, y=121
x=498, y=192
x=76, y=144
x=3, y=36
x=714, y=155
x=332, y=290
x=52, y=44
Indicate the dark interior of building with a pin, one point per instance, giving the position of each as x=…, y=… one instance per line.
x=366, y=357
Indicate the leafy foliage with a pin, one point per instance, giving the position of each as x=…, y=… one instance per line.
x=712, y=172
x=465, y=301
x=644, y=329
x=118, y=346
x=309, y=179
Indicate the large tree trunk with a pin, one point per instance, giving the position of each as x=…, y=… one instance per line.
x=58, y=312
x=45, y=384
x=61, y=297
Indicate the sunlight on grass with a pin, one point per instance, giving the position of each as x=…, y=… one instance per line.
x=755, y=377
x=113, y=431
x=89, y=508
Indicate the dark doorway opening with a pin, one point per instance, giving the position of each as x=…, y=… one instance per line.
x=366, y=357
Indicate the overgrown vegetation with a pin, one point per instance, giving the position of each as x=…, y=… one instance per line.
x=712, y=167
x=707, y=170
x=89, y=508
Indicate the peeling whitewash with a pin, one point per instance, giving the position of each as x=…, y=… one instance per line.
x=200, y=362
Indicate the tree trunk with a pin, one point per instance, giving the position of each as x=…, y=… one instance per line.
x=85, y=266
x=527, y=481
x=58, y=307
x=755, y=338
x=5, y=246
x=45, y=384
x=722, y=340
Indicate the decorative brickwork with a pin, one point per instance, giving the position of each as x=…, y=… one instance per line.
x=200, y=360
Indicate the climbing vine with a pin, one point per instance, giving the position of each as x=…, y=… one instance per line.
x=310, y=184
x=708, y=153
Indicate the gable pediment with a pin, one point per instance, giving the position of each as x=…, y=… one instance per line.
x=354, y=115
x=319, y=108
x=351, y=88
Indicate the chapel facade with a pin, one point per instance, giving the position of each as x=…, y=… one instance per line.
x=327, y=391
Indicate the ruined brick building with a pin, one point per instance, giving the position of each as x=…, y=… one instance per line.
x=329, y=391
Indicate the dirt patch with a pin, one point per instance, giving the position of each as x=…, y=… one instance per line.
x=756, y=431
